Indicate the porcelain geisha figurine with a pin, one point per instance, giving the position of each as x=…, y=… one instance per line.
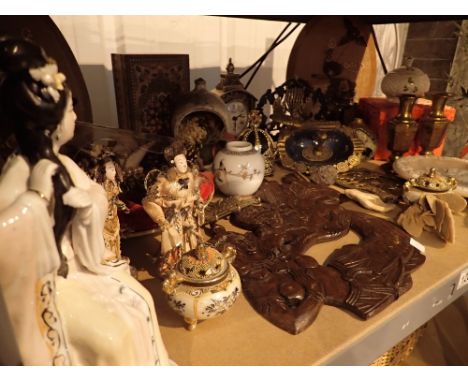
x=175, y=204
x=66, y=306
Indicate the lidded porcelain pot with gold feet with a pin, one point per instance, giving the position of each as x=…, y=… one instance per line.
x=203, y=285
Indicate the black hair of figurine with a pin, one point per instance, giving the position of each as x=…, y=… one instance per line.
x=29, y=110
x=176, y=148
x=25, y=100
x=100, y=172
x=92, y=160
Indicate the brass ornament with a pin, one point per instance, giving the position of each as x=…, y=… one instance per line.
x=253, y=129
x=292, y=103
x=203, y=265
x=431, y=181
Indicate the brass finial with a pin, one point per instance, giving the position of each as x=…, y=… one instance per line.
x=230, y=67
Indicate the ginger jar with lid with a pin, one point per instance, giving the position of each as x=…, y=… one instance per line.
x=239, y=169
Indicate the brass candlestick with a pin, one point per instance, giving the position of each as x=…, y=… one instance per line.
x=402, y=129
x=433, y=128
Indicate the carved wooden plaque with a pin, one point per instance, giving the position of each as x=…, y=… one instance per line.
x=287, y=287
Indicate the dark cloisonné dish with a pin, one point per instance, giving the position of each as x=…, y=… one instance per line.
x=329, y=144
x=319, y=146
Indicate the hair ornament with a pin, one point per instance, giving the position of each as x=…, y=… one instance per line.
x=50, y=77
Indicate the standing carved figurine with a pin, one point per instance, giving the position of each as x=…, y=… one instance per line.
x=174, y=203
x=109, y=174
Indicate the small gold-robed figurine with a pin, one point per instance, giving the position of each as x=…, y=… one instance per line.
x=112, y=224
x=108, y=174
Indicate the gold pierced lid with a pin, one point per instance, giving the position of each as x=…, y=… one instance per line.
x=432, y=181
x=203, y=265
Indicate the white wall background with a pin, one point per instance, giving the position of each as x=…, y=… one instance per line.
x=391, y=39
x=208, y=40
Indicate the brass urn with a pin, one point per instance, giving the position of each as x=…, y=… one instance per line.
x=433, y=128
x=402, y=129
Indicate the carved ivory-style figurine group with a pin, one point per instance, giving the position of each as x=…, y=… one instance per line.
x=200, y=281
